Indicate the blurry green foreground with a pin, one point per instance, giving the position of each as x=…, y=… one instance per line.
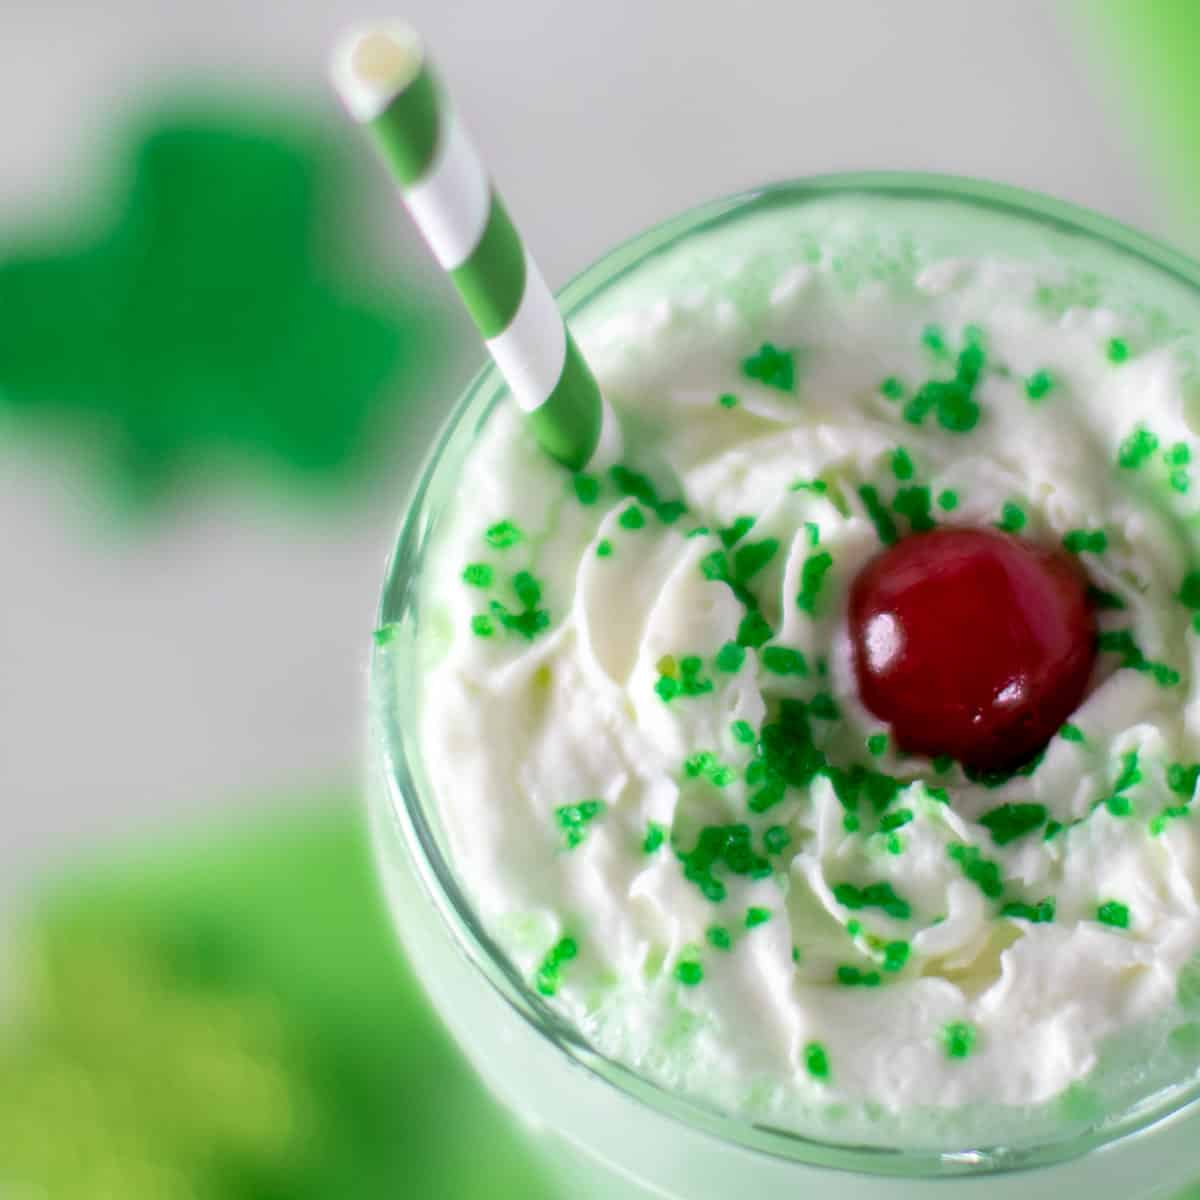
x=231, y=1020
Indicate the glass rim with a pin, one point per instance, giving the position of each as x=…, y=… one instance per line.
x=436, y=874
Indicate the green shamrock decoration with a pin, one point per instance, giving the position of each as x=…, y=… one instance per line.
x=231, y=1019
x=232, y=308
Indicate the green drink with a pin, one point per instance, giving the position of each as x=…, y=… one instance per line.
x=682, y=898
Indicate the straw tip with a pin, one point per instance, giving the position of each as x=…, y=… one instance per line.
x=373, y=65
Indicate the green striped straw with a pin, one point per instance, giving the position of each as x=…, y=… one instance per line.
x=385, y=82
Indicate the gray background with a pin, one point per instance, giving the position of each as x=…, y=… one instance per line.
x=216, y=655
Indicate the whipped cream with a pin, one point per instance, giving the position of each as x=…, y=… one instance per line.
x=639, y=717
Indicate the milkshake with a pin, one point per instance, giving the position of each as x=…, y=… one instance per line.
x=636, y=754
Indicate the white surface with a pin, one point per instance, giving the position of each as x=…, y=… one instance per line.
x=204, y=658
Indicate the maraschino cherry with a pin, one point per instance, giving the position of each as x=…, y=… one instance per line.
x=972, y=643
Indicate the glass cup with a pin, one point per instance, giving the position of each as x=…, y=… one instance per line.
x=613, y=1133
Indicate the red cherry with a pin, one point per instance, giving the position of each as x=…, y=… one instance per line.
x=971, y=643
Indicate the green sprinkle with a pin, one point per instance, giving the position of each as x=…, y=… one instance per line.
x=722, y=845
x=1041, y=913
x=1053, y=829
x=548, y=973
x=757, y=916
x=934, y=341
x=1136, y=449
x=896, y=819
x=502, y=535
x=812, y=576
x=1071, y=733
x=1119, y=806
x=958, y=1039
x=749, y=559
x=632, y=518
x=604, y=548
x=528, y=590
x=902, y=464
x=939, y=794
x=1178, y=455
x=894, y=844
x=914, y=503
x=1189, y=590
x=1091, y=541
x=753, y=631
x=885, y=526
x=850, y=822
x=853, y=977
x=982, y=872
x=1164, y=676
x=877, y=744
x=816, y=1060
x=705, y=764
x=640, y=488
x=1130, y=772
x=730, y=657
x=1117, y=350
x=1113, y=913
x=892, y=388
x=942, y=763
x=796, y=955
x=742, y=733
x=1182, y=780
x=1104, y=601
x=481, y=625
x=1012, y=518
x=715, y=566
x=573, y=820
x=957, y=412
x=1171, y=813
x=1178, y=480
x=781, y=660
x=1039, y=385
x=874, y=895
x=719, y=937
x=1011, y=821
x=587, y=488
x=785, y=756
x=775, y=368
x=727, y=400
x=478, y=575
x=656, y=834
x=385, y=633
x=814, y=533
x=895, y=955
x=824, y=707
x=529, y=622
x=689, y=973
x=1120, y=641
x=947, y=500
x=684, y=680
x=776, y=839
x=735, y=532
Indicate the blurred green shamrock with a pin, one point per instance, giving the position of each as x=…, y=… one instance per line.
x=229, y=310
x=231, y=1019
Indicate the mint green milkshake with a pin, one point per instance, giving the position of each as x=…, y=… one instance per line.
x=627, y=767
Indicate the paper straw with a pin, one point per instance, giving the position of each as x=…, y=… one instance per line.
x=384, y=80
